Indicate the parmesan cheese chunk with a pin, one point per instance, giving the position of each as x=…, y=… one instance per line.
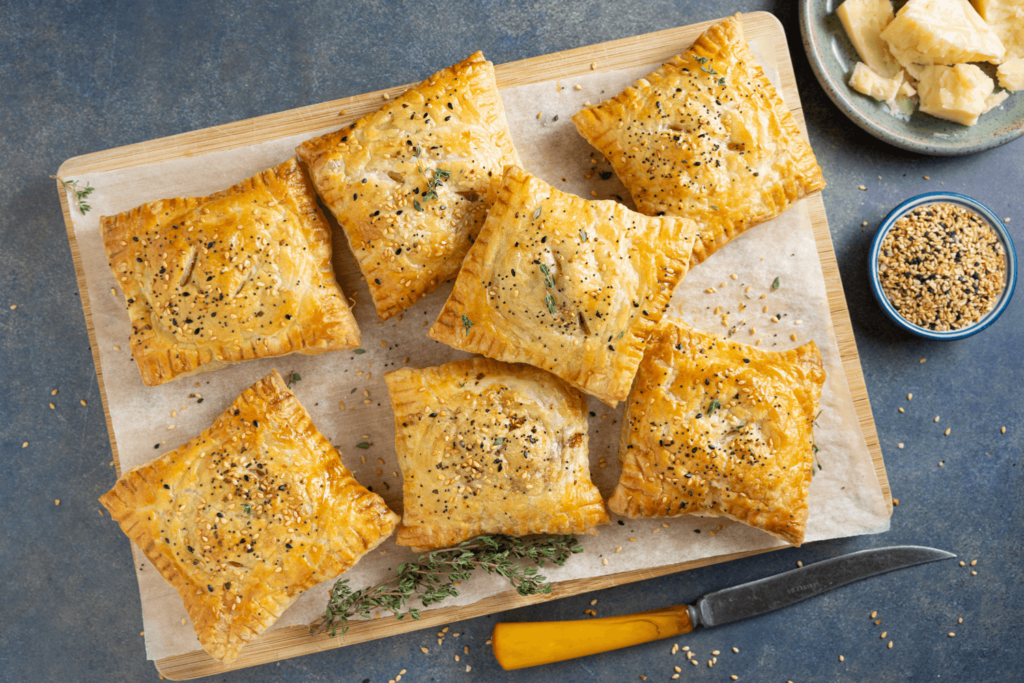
x=1011, y=74
x=941, y=32
x=957, y=93
x=863, y=21
x=866, y=81
x=1006, y=18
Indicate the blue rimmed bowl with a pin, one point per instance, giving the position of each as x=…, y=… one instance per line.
x=997, y=227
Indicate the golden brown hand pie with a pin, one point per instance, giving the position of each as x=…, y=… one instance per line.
x=412, y=182
x=719, y=428
x=244, y=273
x=567, y=285
x=248, y=515
x=706, y=136
x=491, y=448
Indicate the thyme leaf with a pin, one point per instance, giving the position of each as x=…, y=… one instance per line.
x=363, y=445
x=583, y=235
x=550, y=301
x=81, y=193
x=435, y=576
x=247, y=507
x=416, y=205
x=715, y=405
x=536, y=214
x=293, y=379
x=776, y=283
x=359, y=351
x=466, y=323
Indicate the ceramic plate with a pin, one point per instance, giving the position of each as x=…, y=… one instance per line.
x=833, y=57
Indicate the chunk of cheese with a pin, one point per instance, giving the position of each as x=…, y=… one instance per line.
x=1011, y=74
x=994, y=100
x=1006, y=18
x=958, y=93
x=865, y=80
x=941, y=32
x=863, y=21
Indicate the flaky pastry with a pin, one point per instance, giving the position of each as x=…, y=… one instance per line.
x=244, y=273
x=412, y=182
x=719, y=428
x=491, y=448
x=248, y=515
x=706, y=136
x=567, y=285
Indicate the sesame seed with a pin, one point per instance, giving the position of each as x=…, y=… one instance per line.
x=539, y=114
x=863, y=224
x=896, y=502
x=593, y=65
x=424, y=650
x=83, y=402
x=24, y=445
x=56, y=501
x=861, y=187
x=936, y=418
x=578, y=87
x=910, y=397
x=841, y=658
x=715, y=652
x=386, y=96
x=947, y=431
x=1002, y=430
x=874, y=614
x=962, y=563
x=799, y=563
x=974, y=562
x=884, y=634
x=926, y=177
x=604, y=561
x=735, y=649
x=52, y=407
x=889, y=645
x=899, y=446
x=900, y=410
x=974, y=573
x=951, y=634
x=923, y=360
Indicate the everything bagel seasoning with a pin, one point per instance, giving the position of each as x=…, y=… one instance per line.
x=942, y=267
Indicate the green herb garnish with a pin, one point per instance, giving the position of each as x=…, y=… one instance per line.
x=715, y=405
x=293, y=379
x=466, y=323
x=583, y=235
x=706, y=69
x=775, y=284
x=363, y=445
x=550, y=301
x=247, y=507
x=81, y=193
x=358, y=351
x=437, y=176
x=549, y=280
x=435, y=576
x=498, y=440
x=536, y=214
x=416, y=205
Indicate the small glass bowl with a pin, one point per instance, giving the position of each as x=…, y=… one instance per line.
x=997, y=227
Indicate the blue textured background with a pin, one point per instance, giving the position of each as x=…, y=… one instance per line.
x=78, y=77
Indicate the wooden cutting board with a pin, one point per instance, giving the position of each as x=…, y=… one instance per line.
x=610, y=56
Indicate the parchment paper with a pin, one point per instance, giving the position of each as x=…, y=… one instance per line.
x=845, y=497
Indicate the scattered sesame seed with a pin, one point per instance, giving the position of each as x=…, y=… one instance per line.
x=593, y=65
x=884, y=634
x=539, y=114
x=960, y=620
x=951, y=634
x=83, y=402
x=604, y=561
x=863, y=224
x=923, y=360
x=974, y=562
x=24, y=445
x=861, y=187
x=593, y=602
x=896, y=502
x=926, y=177
x=962, y=563
x=936, y=418
x=974, y=573
x=56, y=501
x=841, y=658
x=947, y=431
x=52, y=407
x=889, y=645
x=735, y=649
x=1002, y=430
x=386, y=96
x=899, y=446
x=578, y=87
x=13, y=306
x=900, y=410
x=874, y=614
x=910, y=397
x=424, y=650
x=799, y=563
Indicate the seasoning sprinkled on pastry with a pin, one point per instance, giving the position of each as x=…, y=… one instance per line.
x=708, y=137
x=241, y=274
x=567, y=285
x=491, y=448
x=719, y=428
x=248, y=515
x=412, y=182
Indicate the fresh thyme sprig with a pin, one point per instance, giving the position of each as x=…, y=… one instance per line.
x=81, y=193
x=435, y=575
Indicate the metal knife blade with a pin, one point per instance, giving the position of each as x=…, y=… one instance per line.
x=782, y=590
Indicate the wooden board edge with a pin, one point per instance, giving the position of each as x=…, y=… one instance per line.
x=297, y=640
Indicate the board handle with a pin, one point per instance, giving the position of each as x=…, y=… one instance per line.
x=519, y=645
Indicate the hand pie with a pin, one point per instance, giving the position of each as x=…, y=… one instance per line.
x=244, y=273
x=491, y=448
x=706, y=136
x=718, y=428
x=567, y=285
x=248, y=515
x=412, y=182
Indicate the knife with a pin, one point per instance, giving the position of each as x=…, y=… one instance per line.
x=524, y=644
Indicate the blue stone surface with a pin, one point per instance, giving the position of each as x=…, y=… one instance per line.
x=78, y=77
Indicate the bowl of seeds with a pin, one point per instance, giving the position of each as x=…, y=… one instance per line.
x=942, y=266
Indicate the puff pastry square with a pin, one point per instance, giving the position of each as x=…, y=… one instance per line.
x=244, y=273
x=412, y=183
x=706, y=136
x=248, y=515
x=491, y=448
x=567, y=285
x=718, y=428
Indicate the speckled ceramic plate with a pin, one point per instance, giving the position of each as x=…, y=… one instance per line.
x=833, y=57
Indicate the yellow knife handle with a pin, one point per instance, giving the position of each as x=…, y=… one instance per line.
x=520, y=645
